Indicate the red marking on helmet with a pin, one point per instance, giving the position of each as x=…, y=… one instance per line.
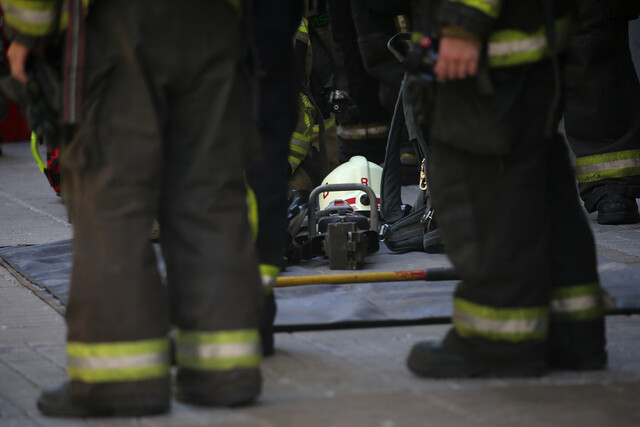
x=326, y=193
x=352, y=202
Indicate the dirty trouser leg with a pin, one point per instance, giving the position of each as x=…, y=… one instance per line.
x=277, y=120
x=117, y=312
x=500, y=307
x=212, y=267
x=495, y=225
x=274, y=29
x=142, y=107
x=602, y=113
x=576, y=333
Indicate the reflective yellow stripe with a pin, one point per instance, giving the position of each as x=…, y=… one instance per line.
x=607, y=157
x=577, y=303
x=122, y=348
x=269, y=274
x=303, y=33
x=373, y=130
x=573, y=304
x=297, y=148
x=239, y=335
x=488, y=7
x=269, y=270
x=296, y=155
x=513, y=47
x=500, y=324
x=630, y=168
x=307, y=114
x=331, y=122
x=216, y=364
x=304, y=128
x=296, y=161
x=608, y=165
x=115, y=362
x=305, y=100
x=252, y=211
x=32, y=18
x=303, y=25
x=301, y=138
x=118, y=361
x=118, y=375
x=224, y=350
x=30, y=5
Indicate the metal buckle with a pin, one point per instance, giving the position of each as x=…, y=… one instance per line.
x=427, y=218
x=383, y=232
x=423, y=175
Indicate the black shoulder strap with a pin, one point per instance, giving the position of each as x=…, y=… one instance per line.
x=404, y=126
x=416, y=137
x=390, y=187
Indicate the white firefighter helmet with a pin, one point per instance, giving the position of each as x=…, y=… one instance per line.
x=356, y=171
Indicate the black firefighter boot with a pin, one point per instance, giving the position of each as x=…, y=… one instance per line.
x=431, y=359
x=59, y=402
x=233, y=388
x=618, y=209
x=266, y=327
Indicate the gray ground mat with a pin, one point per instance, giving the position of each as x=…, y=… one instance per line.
x=45, y=269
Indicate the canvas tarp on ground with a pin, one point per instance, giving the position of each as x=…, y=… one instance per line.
x=46, y=270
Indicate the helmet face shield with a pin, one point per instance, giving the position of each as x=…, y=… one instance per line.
x=356, y=171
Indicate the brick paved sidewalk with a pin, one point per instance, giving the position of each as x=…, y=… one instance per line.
x=329, y=378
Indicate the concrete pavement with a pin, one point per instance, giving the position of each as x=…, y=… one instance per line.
x=325, y=378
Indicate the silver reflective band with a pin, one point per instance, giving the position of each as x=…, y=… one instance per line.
x=606, y=166
x=517, y=46
x=268, y=281
x=572, y=304
x=511, y=326
x=31, y=16
x=118, y=362
x=362, y=132
x=206, y=351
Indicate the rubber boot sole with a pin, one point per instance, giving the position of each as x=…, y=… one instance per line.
x=432, y=361
x=234, y=388
x=596, y=362
x=618, y=218
x=66, y=407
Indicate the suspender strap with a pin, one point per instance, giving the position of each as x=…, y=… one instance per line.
x=74, y=63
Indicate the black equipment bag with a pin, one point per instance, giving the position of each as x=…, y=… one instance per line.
x=407, y=228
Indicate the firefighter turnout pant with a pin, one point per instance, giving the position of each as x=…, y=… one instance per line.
x=164, y=135
x=602, y=113
x=512, y=225
x=278, y=111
